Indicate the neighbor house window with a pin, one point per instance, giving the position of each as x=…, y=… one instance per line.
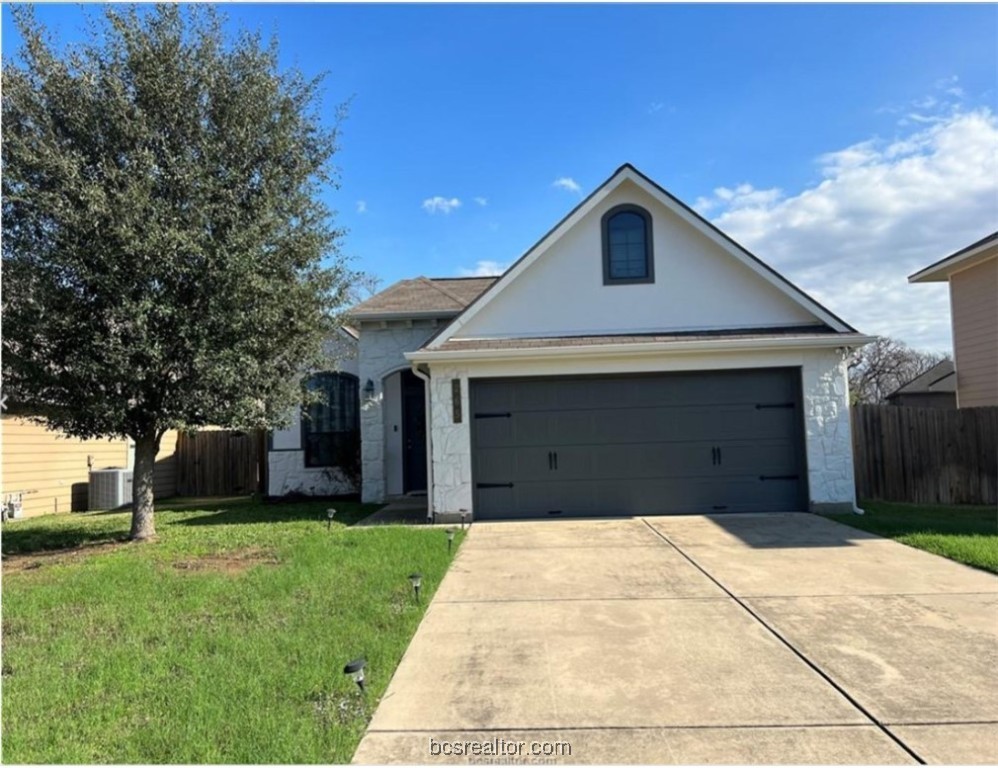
x=627, y=246
x=330, y=425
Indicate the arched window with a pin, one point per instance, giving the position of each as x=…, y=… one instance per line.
x=330, y=425
x=627, y=246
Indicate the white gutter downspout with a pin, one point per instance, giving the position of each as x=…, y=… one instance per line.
x=429, y=438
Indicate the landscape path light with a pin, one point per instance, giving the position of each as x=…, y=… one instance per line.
x=330, y=514
x=450, y=539
x=416, y=579
x=356, y=671
x=464, y=519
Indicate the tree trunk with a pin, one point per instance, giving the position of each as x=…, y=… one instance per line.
x=143, y=525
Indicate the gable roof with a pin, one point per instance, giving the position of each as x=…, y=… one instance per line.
x=628, y=172
x=939, y=378
x=422, y=296
x=966, y=257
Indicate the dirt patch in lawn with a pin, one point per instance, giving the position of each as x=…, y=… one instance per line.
x=15, y=563
x=234, y=563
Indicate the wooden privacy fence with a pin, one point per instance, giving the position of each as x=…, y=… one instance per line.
x=926, y=455
x=221, y=463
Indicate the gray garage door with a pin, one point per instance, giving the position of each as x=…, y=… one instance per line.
x=649, y=444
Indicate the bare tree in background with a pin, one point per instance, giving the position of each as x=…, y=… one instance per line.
x=879, y=368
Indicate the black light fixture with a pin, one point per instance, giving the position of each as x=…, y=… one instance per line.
x=369, y=389
x=330, y=514
x=356, y=671
x=416, y=579
x=450, y=539
x=464, y=518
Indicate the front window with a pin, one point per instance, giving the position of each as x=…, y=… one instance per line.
x=331, y=422
x=627, y=245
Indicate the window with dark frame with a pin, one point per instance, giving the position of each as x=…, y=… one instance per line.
x=627, y=246
x=330, y=425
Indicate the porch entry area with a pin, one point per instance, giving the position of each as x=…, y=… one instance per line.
x=405, y=433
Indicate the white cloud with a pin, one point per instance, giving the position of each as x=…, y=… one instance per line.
x=881, y=211
x=440, y=204
x=483, y=269
x=482, y=201
x=361, y=206
x=567, y=183
x=655, y=106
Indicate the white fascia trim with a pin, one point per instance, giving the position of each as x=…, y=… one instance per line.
x=940, y=273
x=844, y=341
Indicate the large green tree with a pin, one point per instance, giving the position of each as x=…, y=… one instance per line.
x=167, y=259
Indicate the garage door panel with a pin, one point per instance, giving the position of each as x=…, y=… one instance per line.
x=630, y=461
x=650, y=444
x=667, y=460
x=648, y=497
x=609, y=393
x=628, y=425
x=502, y=465
x=762, y=457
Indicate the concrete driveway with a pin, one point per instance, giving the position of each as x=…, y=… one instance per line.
x=781, y=638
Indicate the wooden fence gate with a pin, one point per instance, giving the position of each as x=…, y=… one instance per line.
x=926, y=455
x=221, y=463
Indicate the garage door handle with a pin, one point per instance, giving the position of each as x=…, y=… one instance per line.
x=550, y=459
x=779, y=477
x=760, y=406
x=493, y=415
x=556, y=460
x=493, y=485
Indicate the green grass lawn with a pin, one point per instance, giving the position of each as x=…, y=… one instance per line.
x=965, y=534
x=222, y=642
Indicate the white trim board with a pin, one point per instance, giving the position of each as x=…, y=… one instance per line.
x=638, y=349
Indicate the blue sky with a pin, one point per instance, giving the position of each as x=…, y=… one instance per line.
x=747, y=112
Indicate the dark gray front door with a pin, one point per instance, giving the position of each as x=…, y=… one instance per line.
x=673, y=443
x=413, y=433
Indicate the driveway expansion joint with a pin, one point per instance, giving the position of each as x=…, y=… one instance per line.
x=868, y=594
x=708, y=598
x=800, y=655
x=560, y=728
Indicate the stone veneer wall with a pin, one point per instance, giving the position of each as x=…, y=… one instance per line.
x=286, y=470
x=382, y=351
x=451, y=444
x=827, y=431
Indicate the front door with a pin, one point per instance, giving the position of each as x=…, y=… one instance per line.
x=413, y=433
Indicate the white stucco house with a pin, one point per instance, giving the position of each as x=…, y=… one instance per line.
x=636, y=360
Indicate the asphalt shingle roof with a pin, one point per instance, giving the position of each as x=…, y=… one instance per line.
x=447, y=295
x=939, y=378
x=639, y=338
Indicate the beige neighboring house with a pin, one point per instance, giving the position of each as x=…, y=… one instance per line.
x=972, y=274
x=49, y=470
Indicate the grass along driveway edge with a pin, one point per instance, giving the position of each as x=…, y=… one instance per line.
x=222, y=642
x=967, y=534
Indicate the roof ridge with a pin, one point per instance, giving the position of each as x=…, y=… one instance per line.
x=465, y=277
